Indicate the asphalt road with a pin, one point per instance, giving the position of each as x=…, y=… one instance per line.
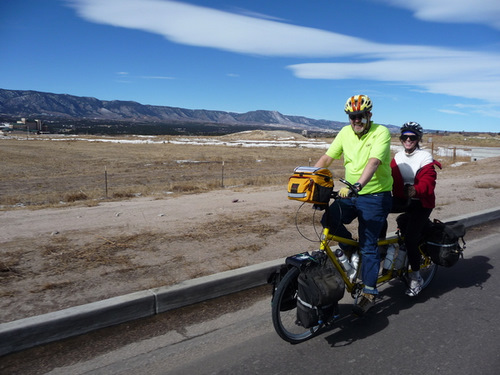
x=450, y=328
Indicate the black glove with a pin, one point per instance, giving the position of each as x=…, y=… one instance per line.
x=319, y=207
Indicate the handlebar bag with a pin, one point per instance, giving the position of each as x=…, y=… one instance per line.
x=311, y=185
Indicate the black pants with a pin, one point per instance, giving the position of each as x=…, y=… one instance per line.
x=412, y=223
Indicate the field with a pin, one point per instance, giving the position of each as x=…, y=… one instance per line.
x=84, y=220
x=43, y=173
x=49, y=171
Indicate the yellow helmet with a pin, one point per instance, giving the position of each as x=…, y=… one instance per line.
x=358, y=104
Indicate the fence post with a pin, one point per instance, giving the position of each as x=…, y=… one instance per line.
x=106, y=181
x=222, y=177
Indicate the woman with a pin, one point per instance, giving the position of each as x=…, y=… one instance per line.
x=414, y=182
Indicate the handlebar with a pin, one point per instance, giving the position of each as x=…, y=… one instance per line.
x=353, y=189
x=335, y=195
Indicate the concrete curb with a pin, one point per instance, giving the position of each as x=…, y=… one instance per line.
x=29, y=332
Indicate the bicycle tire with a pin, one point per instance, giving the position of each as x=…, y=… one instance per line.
x=285, y=317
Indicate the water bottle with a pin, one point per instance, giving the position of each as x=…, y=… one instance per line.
x=346, y=265
x=389, y=258
x=401, y=258
x=355, y=264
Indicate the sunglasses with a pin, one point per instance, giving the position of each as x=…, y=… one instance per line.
x=412, y=138
x=356, y=117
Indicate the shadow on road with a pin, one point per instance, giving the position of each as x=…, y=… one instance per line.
x=467, y=273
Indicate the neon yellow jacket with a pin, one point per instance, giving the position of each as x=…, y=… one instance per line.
x=357, y=151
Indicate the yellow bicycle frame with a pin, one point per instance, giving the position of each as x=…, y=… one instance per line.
x=351, y=286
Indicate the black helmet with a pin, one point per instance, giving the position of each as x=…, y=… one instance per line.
x=413, y=127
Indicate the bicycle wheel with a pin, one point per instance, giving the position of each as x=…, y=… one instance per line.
x=284, y=311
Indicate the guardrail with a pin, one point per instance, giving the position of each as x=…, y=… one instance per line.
x=29, y=332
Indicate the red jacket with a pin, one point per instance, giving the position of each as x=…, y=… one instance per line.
x=425, y=182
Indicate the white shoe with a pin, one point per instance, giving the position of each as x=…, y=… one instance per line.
x=415, y=286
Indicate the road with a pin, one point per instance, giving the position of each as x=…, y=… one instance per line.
x=478, y=153
x=450, y=328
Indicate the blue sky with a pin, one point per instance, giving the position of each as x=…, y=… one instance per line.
x=436, y=62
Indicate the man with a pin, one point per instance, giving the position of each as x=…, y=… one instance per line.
x=365, y=147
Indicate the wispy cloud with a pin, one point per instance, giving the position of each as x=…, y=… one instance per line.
x=486, y=12
x=123, y=77
x=126, y=77
x=253, y=14
x=487, y=110
x=156, y=77
x=452, y=112
x=472, y=75
x=468, y=74
x=206, y=27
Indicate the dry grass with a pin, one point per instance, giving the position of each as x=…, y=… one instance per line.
x=448, y=161
x=465, y=139
x=487, y=185
x=43, y=173
x=48, y=173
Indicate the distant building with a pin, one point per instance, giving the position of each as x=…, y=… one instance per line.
x=31, y=126
x=6, y=128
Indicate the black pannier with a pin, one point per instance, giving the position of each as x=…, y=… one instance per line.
x=320, y=287
x=442, y=242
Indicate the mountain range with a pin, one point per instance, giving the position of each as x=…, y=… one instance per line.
x=49, y=106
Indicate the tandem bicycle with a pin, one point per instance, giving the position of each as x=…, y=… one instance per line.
x=284, y=301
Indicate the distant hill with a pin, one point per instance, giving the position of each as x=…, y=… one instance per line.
x=49, y=106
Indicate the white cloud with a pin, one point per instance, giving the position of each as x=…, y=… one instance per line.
x=465, y=74
x=486, y=110
x=485, y=12
x=468, y=75
x=156, y=77
x=451, y=112
x=250, y=13
x=409, y=70
x=447, y=71
x=490, y=113
x=205, y=27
